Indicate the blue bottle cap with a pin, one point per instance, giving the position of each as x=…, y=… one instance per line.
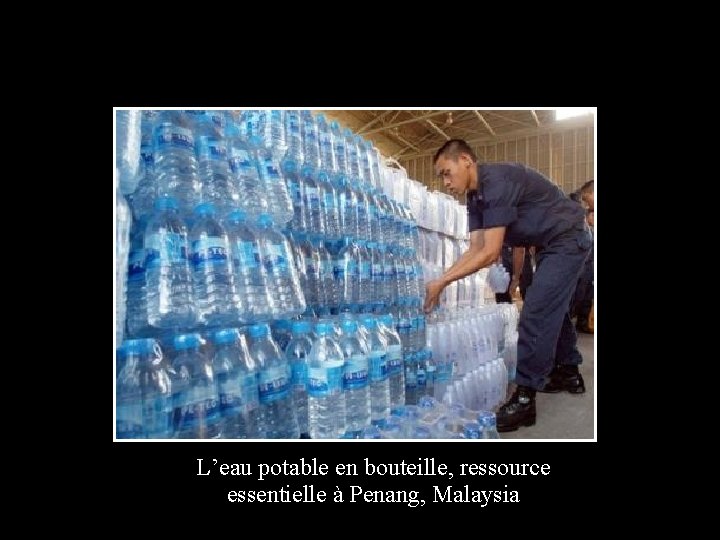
x=369, y=323
x=334, y=125
x=226, y=335
x=186, y=341
x=301, y=327
x=258, y=330
x=237, y=215
x=349, y=326
x=205, y=209
x=265, y=220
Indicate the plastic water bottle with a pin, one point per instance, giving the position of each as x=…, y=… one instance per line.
x=211, y=150
x=254, y=302
x=365, y=288
x=127, y=149
x=279, y=202
x=278, y=260
x=137, y=309
x=379, y=381
x=123, y=222
x=329, y=293
x=395, y=366
x=237, y=383
x=216, y=301
x=175, y=163
x=272, y=131
x=144, y=392
x=244, y=168
x=142, y=199
x=355, y=380
x=195, y=395
x=296, y=353
x=278, y=418
x=346, y=276
x=310, y=263
x=326, y=173
x=281, y=331
x=167, y=272
x=326, y=400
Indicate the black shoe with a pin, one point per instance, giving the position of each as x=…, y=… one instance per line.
x=518, y=411
x=565, y=378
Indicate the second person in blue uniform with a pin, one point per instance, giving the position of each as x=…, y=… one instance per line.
x=511, y=203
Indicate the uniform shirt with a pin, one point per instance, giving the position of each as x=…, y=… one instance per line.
x=533, y=209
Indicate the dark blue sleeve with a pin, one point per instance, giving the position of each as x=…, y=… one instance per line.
x=500, y=198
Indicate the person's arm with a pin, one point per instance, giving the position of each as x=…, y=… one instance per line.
x=518, y=263
x=485, y=248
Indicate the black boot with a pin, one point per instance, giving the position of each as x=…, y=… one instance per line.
x=518, y=411
x=565, y=378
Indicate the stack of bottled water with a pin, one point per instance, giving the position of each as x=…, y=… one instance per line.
x=255, y=220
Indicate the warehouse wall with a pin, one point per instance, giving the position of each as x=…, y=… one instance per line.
x=567, y=157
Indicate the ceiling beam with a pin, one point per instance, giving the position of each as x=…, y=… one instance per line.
x=484, y=123
x=534, y=115
x=545, y=129
x=423, y=138
x=403, y=122
x=404, y=141
x=440, y=131
x=371, y=122
x=508, y=119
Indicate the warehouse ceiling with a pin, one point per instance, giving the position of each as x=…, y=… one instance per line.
x=405, y=134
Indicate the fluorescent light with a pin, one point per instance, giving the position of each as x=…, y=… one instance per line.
x=569, y=112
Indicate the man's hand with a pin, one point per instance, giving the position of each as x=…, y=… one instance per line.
x=432, y=294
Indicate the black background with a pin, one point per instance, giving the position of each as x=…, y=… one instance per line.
x=161, y=477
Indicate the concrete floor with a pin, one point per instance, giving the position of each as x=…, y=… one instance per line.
x=564, y=415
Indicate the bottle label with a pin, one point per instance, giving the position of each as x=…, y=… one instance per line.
x=356, y=372
x=311, y=195
x=240, y=160
x=165, y=248
x=157, y=417
x=330, y=200
x=250, y=395
x=128, y=421
x=274, y=384
x=276, y=258
x=394, y=360
x=295, y=192
x=211, y=149
x=238, y=393
x=378, y=366
x=299, y=374
x=364, y=271
x=209, y=251
x=326, y=380
x=170, y=136
x=404, y=326
x=272, y=171
x=136, y=265
x=443, y=372
x=377, y=273
x=411, y=380
x=194, y=409
x=246, y=255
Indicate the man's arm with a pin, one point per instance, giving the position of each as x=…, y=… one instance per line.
x=485, y=247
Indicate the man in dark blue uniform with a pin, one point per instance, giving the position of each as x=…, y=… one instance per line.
x=511, y=203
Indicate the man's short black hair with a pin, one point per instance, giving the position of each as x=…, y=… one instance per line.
x=587, y=187
x=453, y=148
